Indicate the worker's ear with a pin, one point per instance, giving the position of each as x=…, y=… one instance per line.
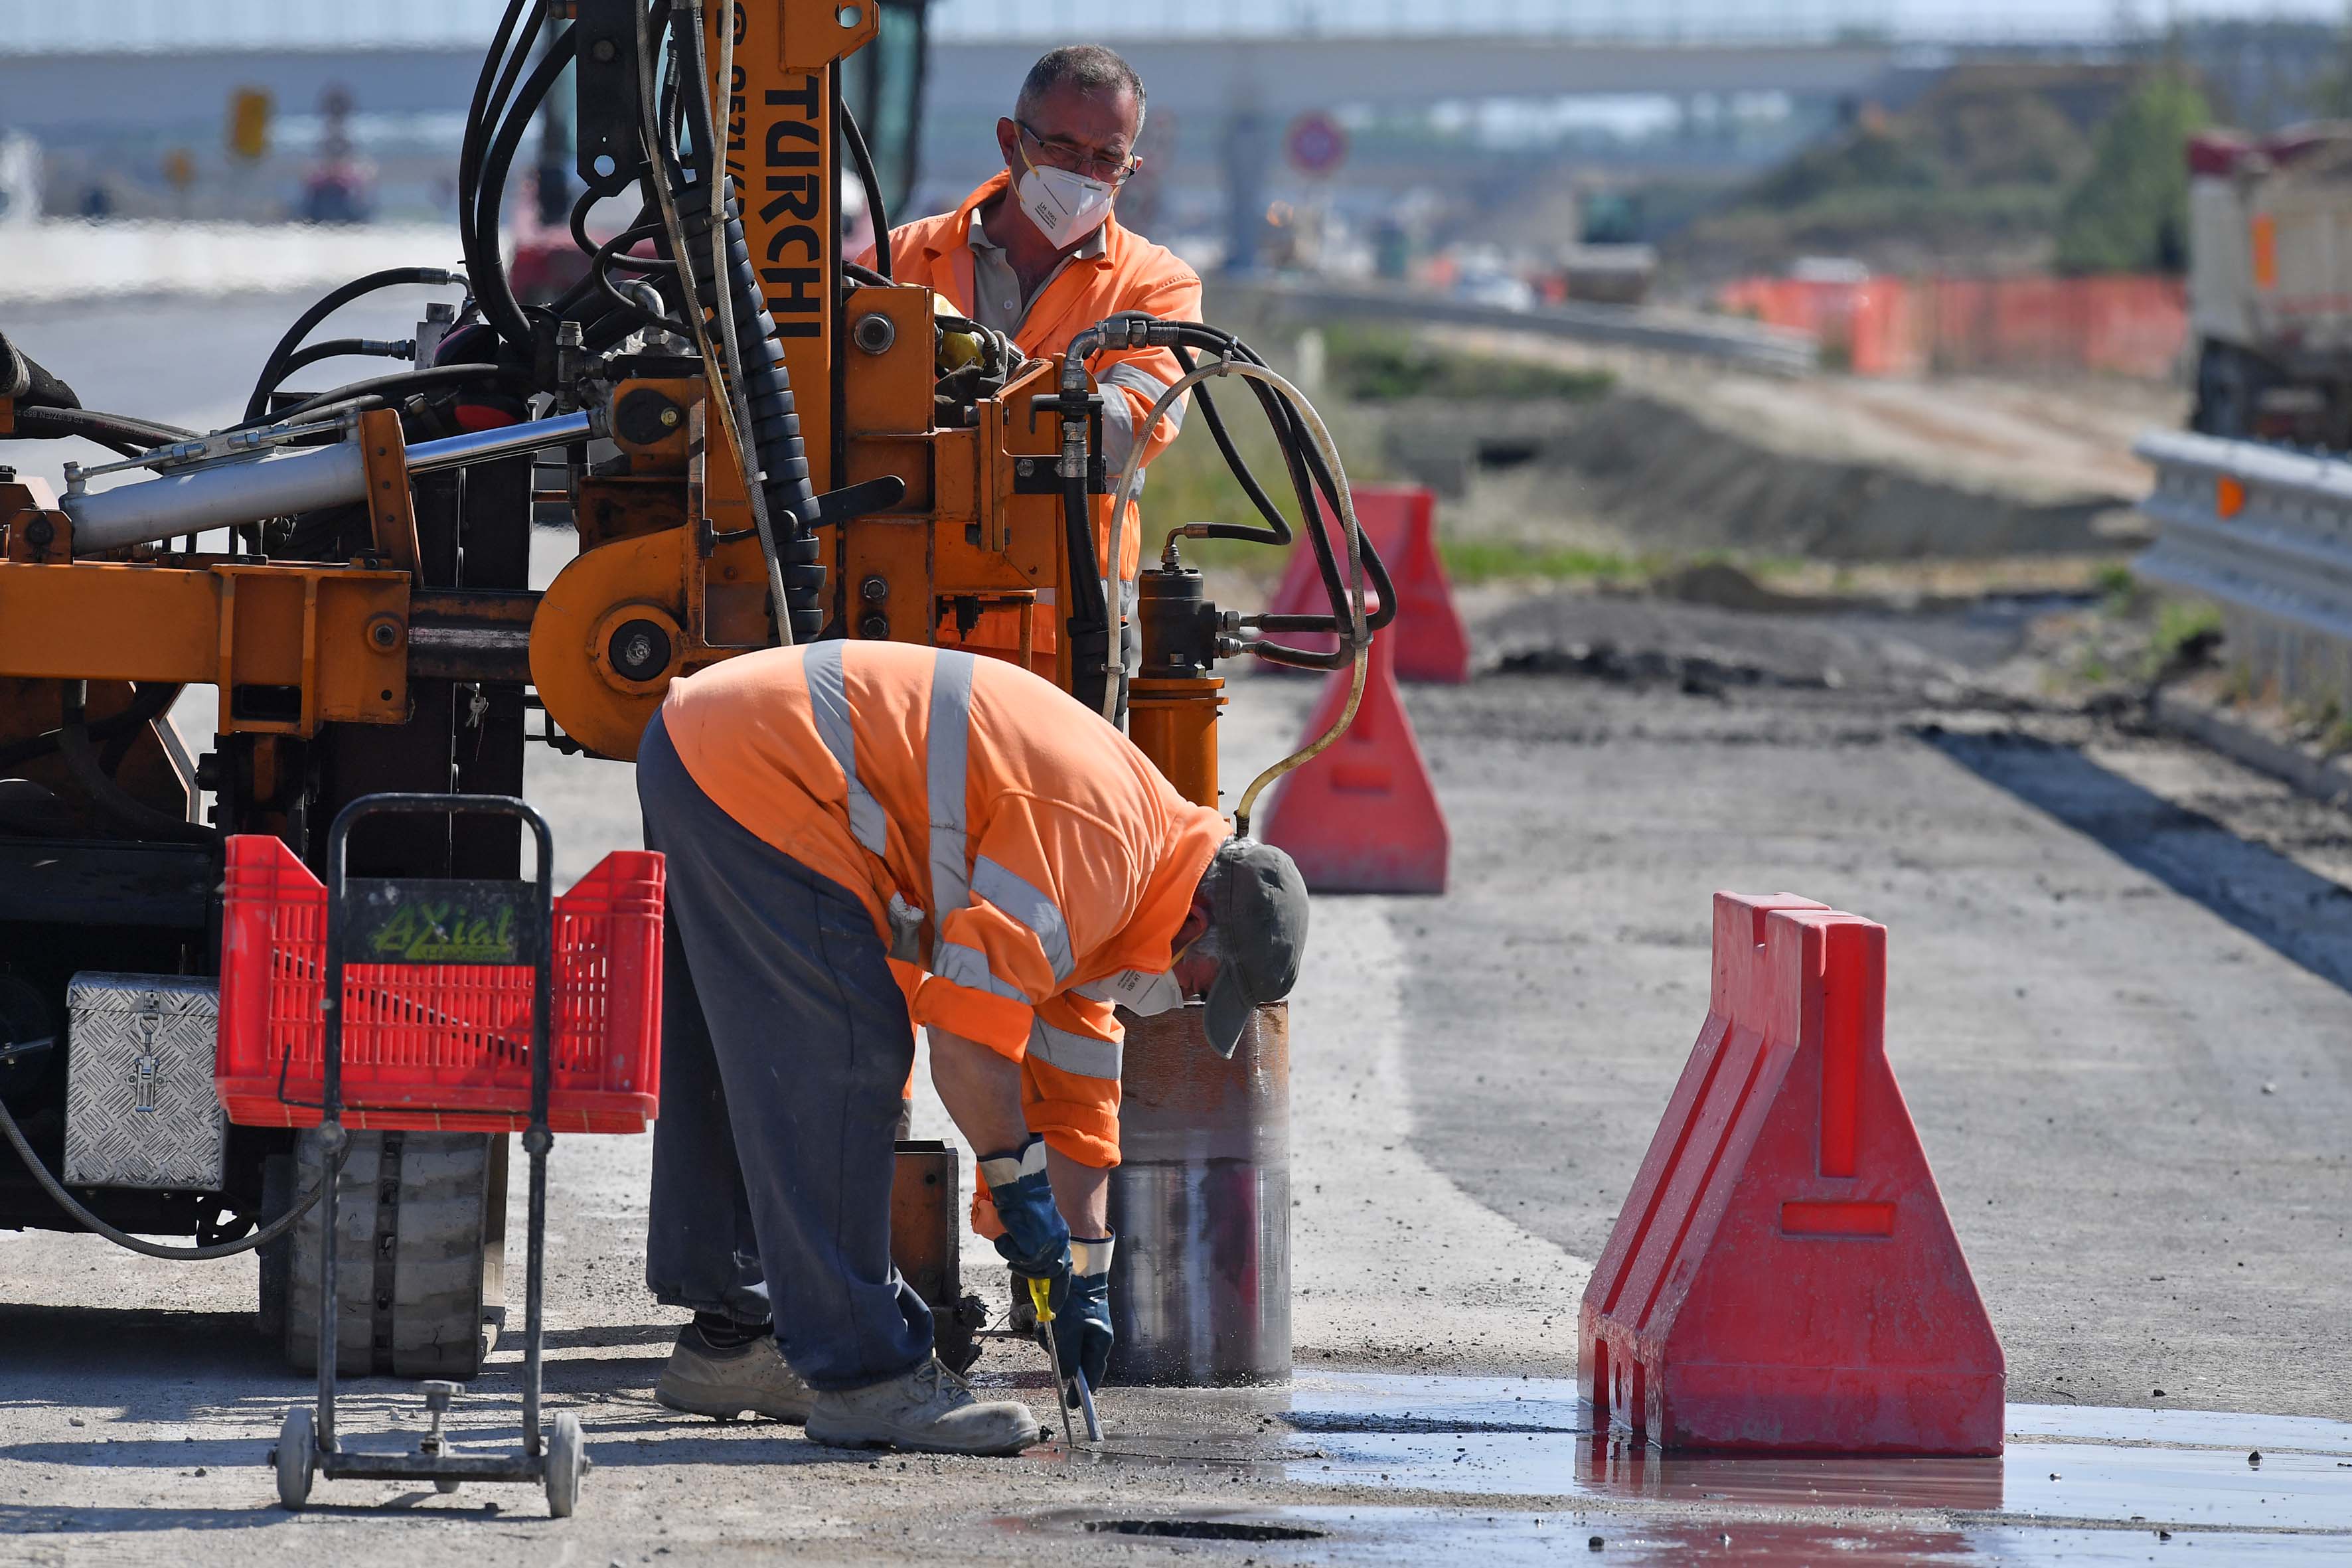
x=1008, y=143
x=1196, y=920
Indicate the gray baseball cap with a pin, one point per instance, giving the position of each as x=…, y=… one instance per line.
x=1257, y=915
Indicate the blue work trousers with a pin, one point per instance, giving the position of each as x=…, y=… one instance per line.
x=785, y=1050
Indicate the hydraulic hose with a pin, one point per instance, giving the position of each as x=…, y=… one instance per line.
x=1310, y=475
x=148, y=701
x=123, y=1239
x=864, y=158
x=125, y=434
x=484, y=261
x=775, y=427
x=712, y=176
x=1357, y=628
x=274, y=369
x=336, y=347
x=127, y=809
x=428, y=378
x=1088, y=626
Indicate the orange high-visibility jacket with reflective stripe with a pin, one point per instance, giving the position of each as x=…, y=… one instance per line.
x=1131, y=274
x=1014, y=849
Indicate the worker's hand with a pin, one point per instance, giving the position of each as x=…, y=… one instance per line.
x=1082, y=1331
x=1036, y=1241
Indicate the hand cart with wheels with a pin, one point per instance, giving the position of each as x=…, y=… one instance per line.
x=484, y=1006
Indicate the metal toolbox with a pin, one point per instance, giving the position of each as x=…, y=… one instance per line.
x=140, y=1106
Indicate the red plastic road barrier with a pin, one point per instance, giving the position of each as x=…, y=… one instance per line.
x=1401, y=522
x=1783, y=1276
x=1362, y=817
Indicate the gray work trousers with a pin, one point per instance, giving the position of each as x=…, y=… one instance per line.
x=785, y=1050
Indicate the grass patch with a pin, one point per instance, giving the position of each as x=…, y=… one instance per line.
x=2177, y=625
x=1471, y=561
x=1380, y=364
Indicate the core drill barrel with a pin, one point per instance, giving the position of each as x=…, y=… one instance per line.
x=1201, y=1204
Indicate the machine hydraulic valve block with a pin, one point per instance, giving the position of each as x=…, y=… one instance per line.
x=1784, y=1277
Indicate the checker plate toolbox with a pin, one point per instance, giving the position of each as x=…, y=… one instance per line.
x=139, y=1111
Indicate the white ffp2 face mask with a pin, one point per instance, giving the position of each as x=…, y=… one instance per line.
x=1064, y=206
x=1140, y=993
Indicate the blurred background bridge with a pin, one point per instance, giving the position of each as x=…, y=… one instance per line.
x=1349, y=136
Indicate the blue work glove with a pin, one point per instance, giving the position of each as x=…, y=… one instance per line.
x=1036, y=1242
x=1082, y=1331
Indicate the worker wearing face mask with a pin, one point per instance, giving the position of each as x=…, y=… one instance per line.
x=1038, y=254
x=865, y=835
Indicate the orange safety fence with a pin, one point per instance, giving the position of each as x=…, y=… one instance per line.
x=2123, y=325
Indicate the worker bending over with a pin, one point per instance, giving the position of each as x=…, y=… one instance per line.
x=1038, y=254
x=863, y=833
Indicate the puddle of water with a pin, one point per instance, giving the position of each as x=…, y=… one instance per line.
x=1362, y=1537
x=1491, y=1436
x=2181, y=1428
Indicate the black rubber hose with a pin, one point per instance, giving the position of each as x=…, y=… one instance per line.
x=24, y=378
x=125, y=434
x=273, y=369
x=1277, y=529
x=767, y=387
x=336, y=347
x=864, y=158
x=1309, y=475
x=491, y=87
x=147, y=701
x=425, y=379
x=125, y=808
x=492, y=292
x=509, y=53
x=124, y=1239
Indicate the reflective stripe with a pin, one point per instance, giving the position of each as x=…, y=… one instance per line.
x=945, y=769
x=1081, y=1054
x=829, y=707
x=1004, y=1170
x=968, y=967
x=1119, y=417
x=1135, y=378
x=1016, y=897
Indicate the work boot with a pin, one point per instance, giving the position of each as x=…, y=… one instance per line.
x=929, y=1410
x=703, y=1380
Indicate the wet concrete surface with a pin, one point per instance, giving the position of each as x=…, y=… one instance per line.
x=2074, y=1485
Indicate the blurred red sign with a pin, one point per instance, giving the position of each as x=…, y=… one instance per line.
x=1315, y=143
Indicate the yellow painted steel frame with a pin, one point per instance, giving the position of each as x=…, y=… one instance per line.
x=336, y=634
x=966, y=541
x=962, y=532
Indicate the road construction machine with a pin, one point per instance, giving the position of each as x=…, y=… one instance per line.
x=751, y=440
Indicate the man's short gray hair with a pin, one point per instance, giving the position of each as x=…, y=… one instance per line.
x=1088, y=69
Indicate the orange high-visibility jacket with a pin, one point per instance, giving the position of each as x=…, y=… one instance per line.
x=1131, y=274
x=1014, y=849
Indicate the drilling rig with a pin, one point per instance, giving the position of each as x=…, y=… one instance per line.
x=759, y=441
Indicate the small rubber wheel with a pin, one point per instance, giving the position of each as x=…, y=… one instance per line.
x=445, y=1485
x=566, y=1458
x=297, y=1457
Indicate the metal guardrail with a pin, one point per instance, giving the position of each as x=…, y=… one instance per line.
x=1751, y=345
x=2265, y=533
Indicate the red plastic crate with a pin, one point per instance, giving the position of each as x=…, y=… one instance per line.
x=439, y=1047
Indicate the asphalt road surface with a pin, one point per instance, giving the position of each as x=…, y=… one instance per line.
x=2117, y=1007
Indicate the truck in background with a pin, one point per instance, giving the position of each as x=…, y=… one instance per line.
x=2269, y=283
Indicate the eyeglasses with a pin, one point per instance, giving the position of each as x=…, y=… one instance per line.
x=1074, y=159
